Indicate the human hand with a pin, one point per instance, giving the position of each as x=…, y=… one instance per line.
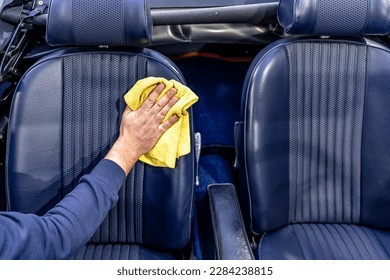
x=141, y=129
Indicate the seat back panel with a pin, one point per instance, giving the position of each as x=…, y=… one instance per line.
x=327, y=88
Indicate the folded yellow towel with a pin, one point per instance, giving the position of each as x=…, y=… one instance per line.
x=175, y=142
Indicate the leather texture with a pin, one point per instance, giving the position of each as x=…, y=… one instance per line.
x=93, y=23
x=335, y=17
x=326, y=113
x=314, y=145
x=229, y=231
x=64, y=118
x=325, y=242
x=264, y=154
x=120, y=252
x=269, y=160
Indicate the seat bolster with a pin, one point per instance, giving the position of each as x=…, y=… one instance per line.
x=265, y=160
x=230, y=237
x=33, y=147
x=375, y=141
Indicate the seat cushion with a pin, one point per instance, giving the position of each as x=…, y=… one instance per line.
x=120, y=252
x=325, y=241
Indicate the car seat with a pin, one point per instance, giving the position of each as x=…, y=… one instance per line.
x=314, y=144
x=66, y=114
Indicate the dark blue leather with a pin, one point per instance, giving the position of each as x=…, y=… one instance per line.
x=375, y=155
x=64, y=118
x=335, y=17
x=93, y=23
x=327, y=94
x=230, y=237
x=120, y=252
x=315, y=146
x=325, y=242
x=264, y=158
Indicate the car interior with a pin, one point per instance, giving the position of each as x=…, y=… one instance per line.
x=290, y=146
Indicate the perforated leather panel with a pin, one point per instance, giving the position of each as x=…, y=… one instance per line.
x=94, y=85
x=333, y=14
x=114, y=24
x=327, y=88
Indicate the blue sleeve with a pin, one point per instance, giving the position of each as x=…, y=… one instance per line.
x=61, y=232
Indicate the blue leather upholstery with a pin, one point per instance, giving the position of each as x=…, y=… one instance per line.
x=120, y=252
x=64, y=118
x=325, y=242
x=335, y=17
x=315, y=149
x=94, y=23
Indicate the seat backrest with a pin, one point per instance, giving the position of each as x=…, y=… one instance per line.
x=315, y=143
x=66, y=114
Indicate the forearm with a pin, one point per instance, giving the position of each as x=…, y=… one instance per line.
x=70, y=224
x=123, y=155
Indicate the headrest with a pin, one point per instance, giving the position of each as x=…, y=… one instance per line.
x=99, y=22
x=335, y=17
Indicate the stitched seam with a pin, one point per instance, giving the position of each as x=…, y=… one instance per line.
x=380, y=241
x=318, y=240
x=299, y=242
x=369, y=240
x=330, y=233
x=353, y=241
x=342, y=239
x=307, y=237
x=361, y=241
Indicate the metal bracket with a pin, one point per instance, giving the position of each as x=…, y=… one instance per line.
x=17, y=45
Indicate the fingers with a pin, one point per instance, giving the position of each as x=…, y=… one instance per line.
x=160, y=105
x=165, y=104
x=153, y=95
x=157, y=111
x=167, y=124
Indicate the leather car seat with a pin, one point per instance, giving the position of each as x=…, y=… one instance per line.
x=66, y=114
x=315, y=141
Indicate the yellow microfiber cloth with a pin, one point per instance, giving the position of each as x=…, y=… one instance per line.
x=175, y=142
